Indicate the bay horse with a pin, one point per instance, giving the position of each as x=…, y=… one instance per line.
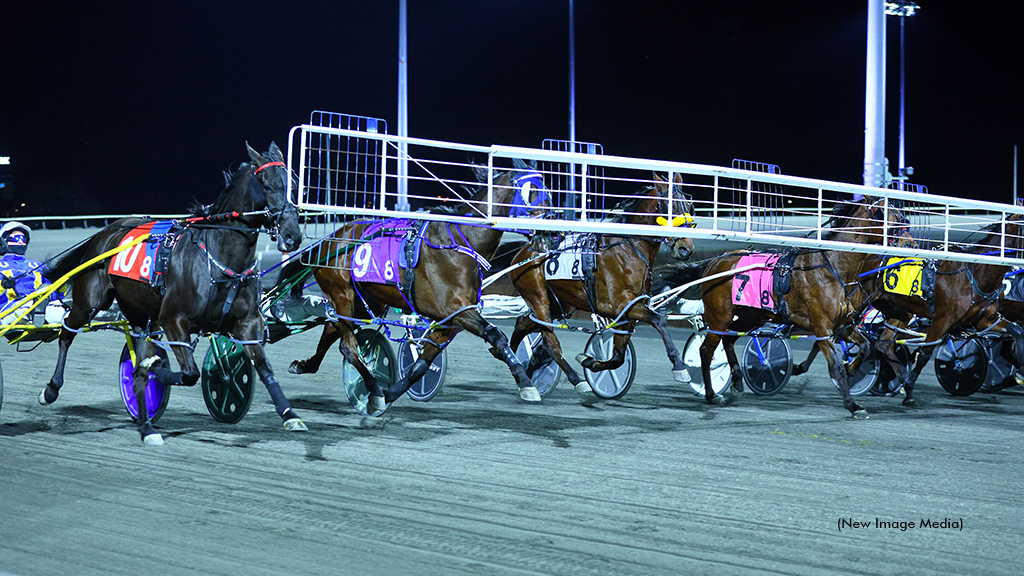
x=445, y=286
x=618, y=288
x=965, y=294
x=824, y=298
x=210, y=283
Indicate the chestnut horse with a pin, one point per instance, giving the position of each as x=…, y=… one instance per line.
x=966, y=294
x=620, y=287
x=823, y=299
x=211, y=283
x=445, y=287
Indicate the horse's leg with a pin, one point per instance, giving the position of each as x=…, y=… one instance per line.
x=941, y=324
x=729, y=343
x=471, y=321
x=838, y=373
x=799, y=369
x=146, y=353
x=660, y=323
x=311, y=365
x=618, y=355
x=439, y=339
x=73, y=322
x=707, y=351
x=250, y=331
x=525, y=325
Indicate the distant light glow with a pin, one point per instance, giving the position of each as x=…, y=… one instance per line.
x=5, y=160
x=901, y=8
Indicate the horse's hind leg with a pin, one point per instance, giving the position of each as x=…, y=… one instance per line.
x=311, y=365
x=616, y=360
x=525, y=325
x=660, y=323
x=438, y=339
x=473, y=322
x=799, y=369
x=839, y=377
x=73, y=322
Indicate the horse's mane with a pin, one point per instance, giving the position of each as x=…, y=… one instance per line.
x=231, y=180
x=462, y=208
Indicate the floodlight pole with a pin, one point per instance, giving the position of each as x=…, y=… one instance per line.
x=874, y=100
x=403, y=109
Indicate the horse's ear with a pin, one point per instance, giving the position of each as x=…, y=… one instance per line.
x=522, y=165
x=275, y=153
x=679, y=178
x=480, y=172
x=660, y=178
x=254, y=155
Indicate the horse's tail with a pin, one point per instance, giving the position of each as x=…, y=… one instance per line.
x=60, y=265
x=675, y=274
x=292, y=277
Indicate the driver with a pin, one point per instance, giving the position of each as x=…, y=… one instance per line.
x=19, y=276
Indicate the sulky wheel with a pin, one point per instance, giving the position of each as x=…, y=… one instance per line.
x=610, y=384
x=227, y=380
x=430, y=384
x=1000, y=373
x=378, y=357
x=867, y=375
x=540, y=365
x=721, y=377
x=157, y=394
x=767, y=364
x=961, y=366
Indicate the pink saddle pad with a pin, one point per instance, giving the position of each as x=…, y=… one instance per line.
x=754, y=287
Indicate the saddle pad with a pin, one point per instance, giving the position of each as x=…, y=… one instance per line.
x=137, y=262
x=754, y=287
x=379, y=258
x=566, y=263
x=905, y=279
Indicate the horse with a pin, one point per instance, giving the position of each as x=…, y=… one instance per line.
x=444, y=287
x=823, y=298
x=209, y=283
x=965, y=294
x=618, y=287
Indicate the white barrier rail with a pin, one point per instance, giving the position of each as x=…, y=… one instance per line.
x=346, y=174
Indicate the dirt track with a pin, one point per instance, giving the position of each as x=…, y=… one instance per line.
x=475, y=482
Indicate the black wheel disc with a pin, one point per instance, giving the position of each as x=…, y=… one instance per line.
x=227, y=380
x=886, y=384
x=961, y=366
x=540, y=365
x=430, y=384
x=1000, y=372
x=768, y=372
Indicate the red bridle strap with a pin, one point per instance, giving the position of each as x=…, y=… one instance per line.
x=268, y=165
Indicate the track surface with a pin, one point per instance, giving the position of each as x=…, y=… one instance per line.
x=475, y=482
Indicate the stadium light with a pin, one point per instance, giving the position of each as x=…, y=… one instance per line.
x=903, y=10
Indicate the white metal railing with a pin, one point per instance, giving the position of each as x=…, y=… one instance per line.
x=341, y=182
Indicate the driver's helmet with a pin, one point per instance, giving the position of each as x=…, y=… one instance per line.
x=15, y=236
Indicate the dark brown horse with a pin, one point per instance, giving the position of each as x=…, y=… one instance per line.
x=965, y=295
x=823, y=298
x=619, y=288
x=210, y=282
x=445, y=288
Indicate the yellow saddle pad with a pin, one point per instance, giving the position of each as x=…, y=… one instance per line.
x=905, y=278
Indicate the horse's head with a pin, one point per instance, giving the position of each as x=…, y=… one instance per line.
x=268, y=189
x=682, y=212
x=862, y=222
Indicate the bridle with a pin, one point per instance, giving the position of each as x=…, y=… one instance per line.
x=274, y=213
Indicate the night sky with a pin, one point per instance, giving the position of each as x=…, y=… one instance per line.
x=138, y=107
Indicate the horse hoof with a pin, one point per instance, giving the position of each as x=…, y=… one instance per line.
x=909, y=402
x=717, y=400
x=48, y=395
x=153, y=439
x=295, y=367
x=860, y=414
x=376, y=404
x=583, y=388
x=529, y=394
x=582, y=358
x=682, y=376
x=295, y=425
